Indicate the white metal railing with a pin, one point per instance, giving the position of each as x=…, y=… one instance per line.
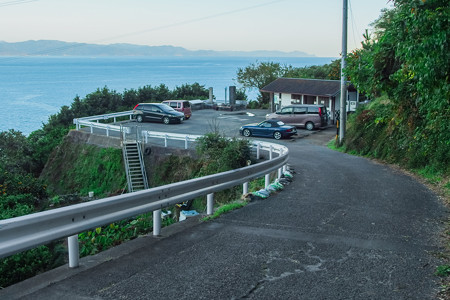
x=25, y=232
x=94, y=122
x=187, y=138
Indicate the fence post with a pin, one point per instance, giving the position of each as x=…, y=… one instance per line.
x=157, y=222
x=210, y=204
x=245, y=188
x=280, y=170
x=74, y=251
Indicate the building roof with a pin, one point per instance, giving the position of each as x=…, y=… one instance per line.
x=312, y=87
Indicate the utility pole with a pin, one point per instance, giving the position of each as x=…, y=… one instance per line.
x=343, y=110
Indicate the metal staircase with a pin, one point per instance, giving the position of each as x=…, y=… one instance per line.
x=134, y=166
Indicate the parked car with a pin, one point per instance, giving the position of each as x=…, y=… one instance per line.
x=269, y=128
x=156, y=112
x=183, y=106
x=302, y=115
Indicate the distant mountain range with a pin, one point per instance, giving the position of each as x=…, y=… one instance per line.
x=59, y=48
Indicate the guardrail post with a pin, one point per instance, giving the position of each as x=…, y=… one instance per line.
x=165, y=140
x=271, y=152
x=156, y=222
x=107, y=130
x=280, y=170
x=258, y=150
x=210, y=204
x=74, y=251
x=245, y=188
x=186, y=142
x=92, y=129
x=266, y=181
x=145, y=134
x=114, y=119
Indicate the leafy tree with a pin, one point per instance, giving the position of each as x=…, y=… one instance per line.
x=257, y=75
x=408, y=59
x=15, y=152
x=240, y=94
x=191, y=92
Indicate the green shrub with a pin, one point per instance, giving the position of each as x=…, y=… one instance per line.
x=21, y=266
x=220, y=154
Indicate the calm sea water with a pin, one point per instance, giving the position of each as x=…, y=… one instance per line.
x=33, y=88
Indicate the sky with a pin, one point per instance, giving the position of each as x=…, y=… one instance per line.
x=311, y=26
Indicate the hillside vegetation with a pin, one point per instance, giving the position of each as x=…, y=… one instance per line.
x=404, y=67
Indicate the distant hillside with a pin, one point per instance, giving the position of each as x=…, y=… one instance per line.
x=59, y=48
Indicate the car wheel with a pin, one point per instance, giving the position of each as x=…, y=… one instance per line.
x=246, y=132
x=309, y=126
x=166, y=120
x=139, y=118
x=277, y=135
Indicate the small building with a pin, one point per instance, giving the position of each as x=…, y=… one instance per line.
x=287, y=91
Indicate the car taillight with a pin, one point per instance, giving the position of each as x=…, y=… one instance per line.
x=320, y=111
x=136, y=106
x=289, y=130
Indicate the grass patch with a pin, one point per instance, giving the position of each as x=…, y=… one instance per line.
x=442, y=271
x=224, y=209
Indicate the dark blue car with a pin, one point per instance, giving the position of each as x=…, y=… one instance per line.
x=269, y=128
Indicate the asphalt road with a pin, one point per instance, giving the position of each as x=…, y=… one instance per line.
x=345, y=228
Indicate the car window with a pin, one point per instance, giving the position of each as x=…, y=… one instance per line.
x=313, y=110
x=299, y=110
x=280, y=123
x=173, y=104
x=286, y=110
x=187, y=104
x=156, y=109
x=266, y=125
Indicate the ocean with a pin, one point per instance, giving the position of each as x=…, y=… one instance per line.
x=33, y=88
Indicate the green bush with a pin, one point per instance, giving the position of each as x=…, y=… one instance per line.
x=19, y=267
x=414, y=128
x=220, y=154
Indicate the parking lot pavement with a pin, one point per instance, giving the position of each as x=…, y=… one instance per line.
x=207, y=120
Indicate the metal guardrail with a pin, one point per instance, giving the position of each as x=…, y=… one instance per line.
x=25, y=232
x=89, y=122
x=187, y=138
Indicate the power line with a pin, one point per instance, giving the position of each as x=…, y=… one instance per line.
x=192, y=20
x=75, y=45
x=354, y=27
x=16, y=2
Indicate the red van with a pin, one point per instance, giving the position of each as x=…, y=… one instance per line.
x=183, y=106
